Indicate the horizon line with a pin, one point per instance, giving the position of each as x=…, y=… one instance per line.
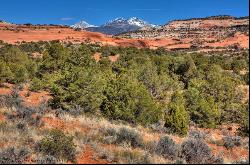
x=175, y=19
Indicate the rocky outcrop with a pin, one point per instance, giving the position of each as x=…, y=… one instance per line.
x=197, y=30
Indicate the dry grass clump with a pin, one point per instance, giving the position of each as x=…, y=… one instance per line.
x=196, y=151
x=125, y=136
x=231, y=141
x=46, y=159
x=12, y=155
x=168, y=148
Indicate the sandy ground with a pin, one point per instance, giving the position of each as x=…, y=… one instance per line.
x=16, y=33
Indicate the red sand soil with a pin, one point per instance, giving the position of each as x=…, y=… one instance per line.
x=219, y=133
x=5, y=91
x=229, y=154
x=97, y=57
x=33, y=99
x=240, y=39
x=3, y=144
x=18, y=33
x=88, y=157
x=114, y=58
x=245, y=91
x=57, y=123
x=2, y=117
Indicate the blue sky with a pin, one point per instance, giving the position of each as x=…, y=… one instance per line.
x=100, y=11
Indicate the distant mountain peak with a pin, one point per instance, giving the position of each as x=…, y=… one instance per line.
x=116, y=26
x=133, y=21
x=82, y=25
x=115, y=21
x=119, y=19
x=139, y=22
x=2, y=21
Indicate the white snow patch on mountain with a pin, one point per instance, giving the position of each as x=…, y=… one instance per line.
x=82, y=25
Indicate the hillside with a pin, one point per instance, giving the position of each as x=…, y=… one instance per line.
x=85, y=103
x=215, y=33
x=124, y=82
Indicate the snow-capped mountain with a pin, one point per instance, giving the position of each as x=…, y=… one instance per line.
x=2, y=21
x=118, y=26
x=134, y=21
x=139, y=22
x=82, y=25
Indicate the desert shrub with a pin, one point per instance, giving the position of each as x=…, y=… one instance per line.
x=24, y=112
x=150, y=146
x=244, y=124
x=246, y=78
x=125, y=135
x=76, y=111
x=22, y=126
x=10, y=101
x=13, y=155
x=160, y=51
x=36, y=84
x=195, y=151
x=177, y=118
x=244, y=129
x=59, y=145
x=87, y=90
x=158, y=85
x=180, y=161
x=159, y=127
x=110, y=134
x=12, y=54
x=241, y=161
x=234, y=113
x=127, y=99
x=2, y=101
x=47, y=159
x=15, y=62
x=20, y=73
x=3, y=126
x=231, y=141
x=202, y=109
x=84, y=88
x=187, y=70
x=167, y=148
x=238, y=65
x=217, y=159
x=133, y=157
x=29, y=115
x=5, y=73
x=129, y=136
x=105, y=154
x=14, y=100
x=197, y=135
